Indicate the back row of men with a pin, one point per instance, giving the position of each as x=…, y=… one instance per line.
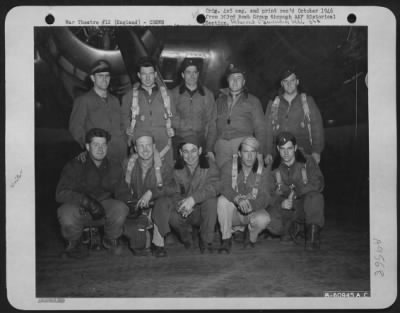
x=190, y=108
x=194, y=190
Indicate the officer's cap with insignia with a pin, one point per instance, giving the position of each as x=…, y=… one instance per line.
x=100, y=66
x=285, y=137
x=191, y=62
x=235, y=68
x=287, y=72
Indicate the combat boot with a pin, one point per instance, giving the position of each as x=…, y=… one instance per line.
x=203, y=247
x=312, y=241
x=286, y=238
x=246, y=240
x=185, y=236
x=226, y=246
x=112, y=245
x=296, y=232
x=75, y=250
x=159, y=252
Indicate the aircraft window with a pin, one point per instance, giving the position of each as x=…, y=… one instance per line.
x=169, y=70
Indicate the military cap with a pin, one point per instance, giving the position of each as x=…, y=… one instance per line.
x=190, y=62
x=285, y=137
x=190, y=138
x=100, y=66
x=251, y=142
x=287, y=72
x=235, y=68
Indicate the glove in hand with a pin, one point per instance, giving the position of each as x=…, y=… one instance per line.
x=93, y=207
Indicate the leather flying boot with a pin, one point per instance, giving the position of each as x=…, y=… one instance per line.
x=226, y=245
x=75, y=250
x=312, y=242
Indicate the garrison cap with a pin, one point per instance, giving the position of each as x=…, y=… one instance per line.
x=235, y=68
x=100, y=66
x=287, y=72
x=285, y=137
x=191, y=62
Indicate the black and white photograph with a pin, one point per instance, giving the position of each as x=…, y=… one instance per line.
x=237, y=158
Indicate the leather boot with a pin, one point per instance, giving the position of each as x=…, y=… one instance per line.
x=159, y=252
x=185, y=236
x=246, y=239
x=286, y=238
x=226, y=246
x=75, y=250
x=113, y=246
x=312, y=242
x=287, y=222
x=203, y=246
x=296, y=232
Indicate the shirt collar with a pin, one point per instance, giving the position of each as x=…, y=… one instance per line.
x=154, y=89
x=199, y=89
x=104, y=164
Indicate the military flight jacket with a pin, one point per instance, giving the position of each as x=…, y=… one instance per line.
x=151, y=109
x=103, y=182
x=139, y=186
x=246, y=118
x=292, y=175
x=196, y=113
x=292, y=120
x=202, y=185
x=265, y=187
x=91, y=111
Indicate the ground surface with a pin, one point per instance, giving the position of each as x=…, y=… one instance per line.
x=268, y=270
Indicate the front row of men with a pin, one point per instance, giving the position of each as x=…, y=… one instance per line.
x=286, y=199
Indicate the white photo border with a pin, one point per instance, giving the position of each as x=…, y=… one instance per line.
x=20, y=167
